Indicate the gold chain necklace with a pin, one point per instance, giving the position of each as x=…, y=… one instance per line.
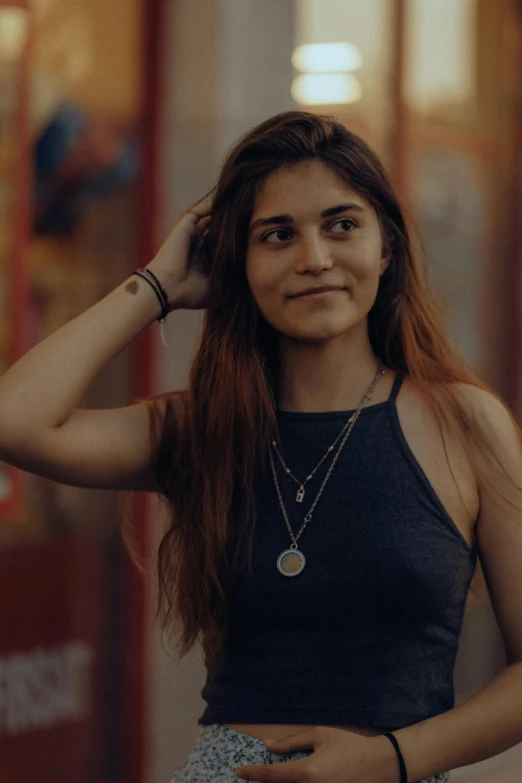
x=301, y=484
x=292, y=561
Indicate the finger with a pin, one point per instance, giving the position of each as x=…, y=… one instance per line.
x=196, y=216
x=289, y=771
x=302, y=740
x=202, y=207
x=202, y=224
x=191, y=220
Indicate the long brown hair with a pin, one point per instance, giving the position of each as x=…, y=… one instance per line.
x=213, y=437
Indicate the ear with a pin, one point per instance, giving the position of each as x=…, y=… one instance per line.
x=385, y=257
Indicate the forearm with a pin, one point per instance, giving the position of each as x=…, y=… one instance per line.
x=43, y=388
x=486, y=724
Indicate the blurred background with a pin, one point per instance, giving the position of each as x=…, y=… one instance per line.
x=115, y=117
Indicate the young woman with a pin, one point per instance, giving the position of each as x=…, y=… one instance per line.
x=333, y=471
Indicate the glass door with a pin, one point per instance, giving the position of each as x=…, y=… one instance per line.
x=72, y=227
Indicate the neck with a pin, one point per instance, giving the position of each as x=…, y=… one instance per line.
x=328, y=376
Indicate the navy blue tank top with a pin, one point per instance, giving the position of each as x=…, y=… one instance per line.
x=367, y=634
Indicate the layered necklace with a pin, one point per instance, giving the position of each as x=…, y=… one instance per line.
x=292, y=561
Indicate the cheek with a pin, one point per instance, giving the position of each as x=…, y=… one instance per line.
x=261, y=278
x=364, y=262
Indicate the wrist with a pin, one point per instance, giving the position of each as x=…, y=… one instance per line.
x=166, y=277
x=390, y=770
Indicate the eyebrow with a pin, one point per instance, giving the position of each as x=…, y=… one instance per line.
x=278, y=220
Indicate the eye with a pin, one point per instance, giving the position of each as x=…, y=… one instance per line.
x=271, y=233
x=350, y=222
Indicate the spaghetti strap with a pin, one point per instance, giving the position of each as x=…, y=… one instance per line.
x=397, y=383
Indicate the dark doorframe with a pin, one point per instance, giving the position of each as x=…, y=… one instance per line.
x=136, y=708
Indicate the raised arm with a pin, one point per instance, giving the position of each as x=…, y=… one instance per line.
x=41, y=429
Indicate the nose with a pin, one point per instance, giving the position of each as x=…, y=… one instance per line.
x=312, y=256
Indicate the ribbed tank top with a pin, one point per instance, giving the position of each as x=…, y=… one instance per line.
x=367, y=634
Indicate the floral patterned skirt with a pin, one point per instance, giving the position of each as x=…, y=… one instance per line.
x=219, y=750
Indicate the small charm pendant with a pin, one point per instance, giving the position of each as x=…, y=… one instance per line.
x=291, y=562
x=300, y=495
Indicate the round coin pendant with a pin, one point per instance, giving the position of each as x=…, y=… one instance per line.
x=291, y=562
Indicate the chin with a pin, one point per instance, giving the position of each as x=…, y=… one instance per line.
x=315, y=333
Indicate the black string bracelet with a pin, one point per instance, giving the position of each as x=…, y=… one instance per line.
x=161, y=295
x=161, y=299
x=162, y=291
x=402, y=765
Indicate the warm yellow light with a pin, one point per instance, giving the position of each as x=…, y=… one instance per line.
x=13, y=33
x=326, y=58
x=327, y=88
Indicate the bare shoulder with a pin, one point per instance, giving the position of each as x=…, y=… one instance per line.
x=413, y=404
x=492, y=417
x=493, y=433
x=490, y=414
x=479, y=400
x=418, y=414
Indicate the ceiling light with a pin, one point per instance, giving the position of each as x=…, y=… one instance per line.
x=326, y=58
x=327, y=88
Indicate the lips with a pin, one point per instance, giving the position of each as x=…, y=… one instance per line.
x=319, y=290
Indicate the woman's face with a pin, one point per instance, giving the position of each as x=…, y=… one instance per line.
x=316, y=232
